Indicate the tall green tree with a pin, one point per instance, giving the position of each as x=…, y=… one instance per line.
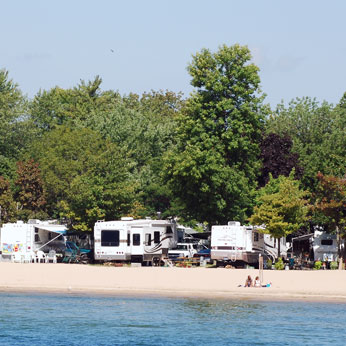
x=330, y=200
x=15, y=126
x=212, y=170
x=282, y=207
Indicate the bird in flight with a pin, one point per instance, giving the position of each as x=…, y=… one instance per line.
x=112, y=50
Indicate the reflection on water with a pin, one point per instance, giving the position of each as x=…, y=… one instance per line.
x=80, y=320
x=218, y=308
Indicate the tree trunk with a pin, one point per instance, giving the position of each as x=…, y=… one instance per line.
x=338, y=239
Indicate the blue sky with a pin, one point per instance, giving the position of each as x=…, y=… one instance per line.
x=300, y=46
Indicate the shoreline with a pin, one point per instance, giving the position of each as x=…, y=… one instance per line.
x=162, y=282
x=152, y=294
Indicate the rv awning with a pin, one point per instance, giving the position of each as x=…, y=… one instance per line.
x=303, y=237
x=60, y=229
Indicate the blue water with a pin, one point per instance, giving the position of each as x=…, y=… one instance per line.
x=94, y=320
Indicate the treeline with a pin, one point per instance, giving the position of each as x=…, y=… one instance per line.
x=84, y=154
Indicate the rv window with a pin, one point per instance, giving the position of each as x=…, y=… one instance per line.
x=147, y=239
x=327, y=242
x=156, y=237
x=255, y=236
x=136, y=239
x=37, y=238
x=109, y=238
x=128, y=239
x=169, y=230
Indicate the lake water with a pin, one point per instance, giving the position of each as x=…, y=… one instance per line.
x=32, y=319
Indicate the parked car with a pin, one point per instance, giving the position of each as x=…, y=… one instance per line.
x=183, y=250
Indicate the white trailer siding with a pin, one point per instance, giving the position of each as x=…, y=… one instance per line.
x=30, y=237
x=139, y=240
x=16, y=237
x=230, y=242
x=325, y=246
x=234, y=242
x=111, y=240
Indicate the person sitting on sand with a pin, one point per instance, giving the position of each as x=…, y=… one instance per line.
x=257, y=282
x=248, y=282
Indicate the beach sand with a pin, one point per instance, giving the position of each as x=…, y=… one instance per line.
x=172, y=282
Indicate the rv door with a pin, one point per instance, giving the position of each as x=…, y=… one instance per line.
x=137, y=241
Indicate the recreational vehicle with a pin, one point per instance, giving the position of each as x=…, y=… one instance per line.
x=31, y=237
x=317, y=246
x=144, y=241
x=268, y=246
x=233, y=242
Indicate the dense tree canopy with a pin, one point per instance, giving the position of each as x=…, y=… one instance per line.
x=318, y=134
x=15, y=126
x=84, y=154
x=90, y=176
x=8, y=210
x=277, y=158
x=70, y=107
x=30, y=193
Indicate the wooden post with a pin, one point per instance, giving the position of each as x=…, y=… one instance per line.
x=260, y=267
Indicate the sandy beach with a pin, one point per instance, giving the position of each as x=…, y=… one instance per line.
x=172, y=282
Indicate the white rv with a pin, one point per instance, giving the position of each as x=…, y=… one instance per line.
x=325, y=246
x=234, y=242
x=317, y=246
x=134, y=240
x=231, y=242
x=30, y=237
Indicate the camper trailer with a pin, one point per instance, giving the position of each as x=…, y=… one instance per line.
x=233, y=242
x=31, y=237
x=317, y=246
x=143, y=241
x=325, y=246
x=268, y=246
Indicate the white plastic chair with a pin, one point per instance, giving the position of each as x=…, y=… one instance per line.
x=51, y=257
x=27, y=257
x=16, y=257
x=40, y=256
